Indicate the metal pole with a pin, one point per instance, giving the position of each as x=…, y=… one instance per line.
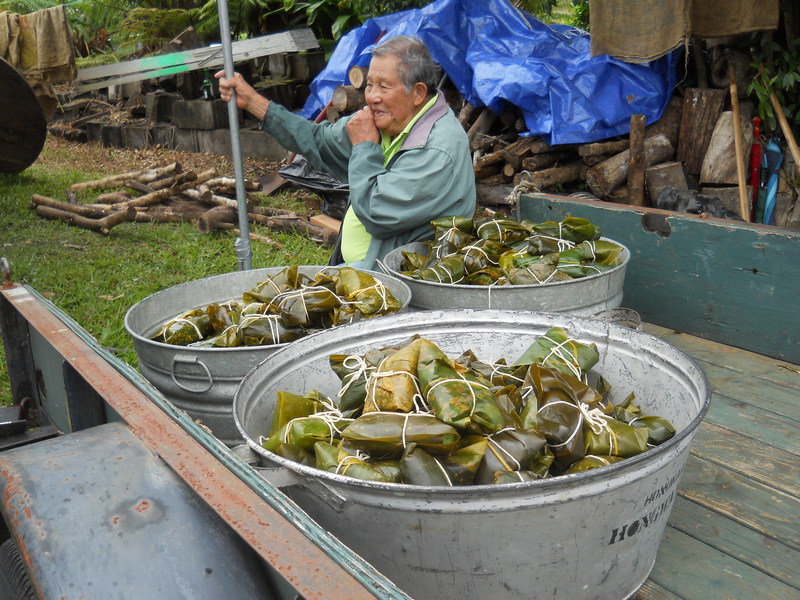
x=243, y=252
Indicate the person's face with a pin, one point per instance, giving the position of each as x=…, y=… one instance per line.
x=392, y=105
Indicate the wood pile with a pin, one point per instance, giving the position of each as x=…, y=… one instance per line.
x=695, y=145
x=167, y=194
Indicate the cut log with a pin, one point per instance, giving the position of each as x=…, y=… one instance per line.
x=296, y=225
x=357, y=76
x=481, y=125
x=172, y=180
x=90, y=211
x=165, y=214
x=719, y=163
x=495, y=194
x=346, y=99
x=669, y=123
x=103, y=225
x=111, y=181
x=158, y=196
x=550, y=177
x=544, y=159
x=488, y=171
x=609, y=174
x=217, y=183
x=701, y=110
x=466, y=114
x=598, y=148
x=113, y=197
x=636, y=162
x=666, y=175
x=326, y=221
x=217, y=219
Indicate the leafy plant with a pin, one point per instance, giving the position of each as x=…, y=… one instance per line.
x=779, y=72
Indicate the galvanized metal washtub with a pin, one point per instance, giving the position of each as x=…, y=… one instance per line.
x=592, y=535
x=584, y=296
x=202, y=381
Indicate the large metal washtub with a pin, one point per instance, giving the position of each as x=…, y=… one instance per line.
x=591, y=535
x=202, y=381
x=584, y=296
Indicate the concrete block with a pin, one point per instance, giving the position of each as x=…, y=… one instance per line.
x=186, y=139
x=164, y=135
x=111, y=136
x=137, y=136
x=259, y=144
x=201, y=114
x=159, y=106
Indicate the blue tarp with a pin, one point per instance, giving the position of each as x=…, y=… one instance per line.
x=494, y=53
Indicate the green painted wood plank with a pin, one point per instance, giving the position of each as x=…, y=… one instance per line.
x=693, y=570
x=771, y=396
x=211, y=57
x=768, y=511
x=652, y=591
x=737, y=359
x=769, y=465
x=723, y=280
x=742, y=543
x=755, y=422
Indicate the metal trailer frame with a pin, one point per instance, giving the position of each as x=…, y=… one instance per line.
x=117, y=492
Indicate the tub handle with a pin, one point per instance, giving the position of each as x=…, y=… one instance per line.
x=383, y=267
x=282, y=478
x=191, y=361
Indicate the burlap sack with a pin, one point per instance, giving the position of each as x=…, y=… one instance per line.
x=642, y=30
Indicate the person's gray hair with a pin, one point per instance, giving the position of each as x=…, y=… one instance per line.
x=416, y=64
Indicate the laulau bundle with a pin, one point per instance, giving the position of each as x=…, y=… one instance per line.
x=507, y=252
x=282, y=308
x=411, y=414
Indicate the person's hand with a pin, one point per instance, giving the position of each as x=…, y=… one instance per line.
x=247, y=98
x=361, y=127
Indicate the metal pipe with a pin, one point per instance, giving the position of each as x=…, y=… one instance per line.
x=244, y=253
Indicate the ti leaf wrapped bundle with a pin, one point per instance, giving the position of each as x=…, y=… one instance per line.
x=591, y=461
x=509, y=450
x=284, y=307
x=191, y=326
x=418, y=467
x=557, y=350
x=447, y=270
x=286, y=279
x=429, y=419
x=394, y=385
x=573, y=229
x=482, y=254
x=386, y=435
x=455, y=395
x=335, y=459
x=506, y=231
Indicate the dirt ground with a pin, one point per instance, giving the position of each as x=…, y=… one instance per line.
x=92, y=156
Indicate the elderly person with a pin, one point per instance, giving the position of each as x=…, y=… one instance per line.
x=404, y=156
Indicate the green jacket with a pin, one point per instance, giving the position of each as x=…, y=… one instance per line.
x=431, y=176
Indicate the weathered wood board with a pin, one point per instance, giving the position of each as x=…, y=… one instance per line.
x=178, y=62
x=732, y=282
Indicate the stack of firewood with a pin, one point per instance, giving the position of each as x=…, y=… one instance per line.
x=691, y=147
x=167, y=194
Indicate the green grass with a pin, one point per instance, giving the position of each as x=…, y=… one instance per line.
x=96, y=278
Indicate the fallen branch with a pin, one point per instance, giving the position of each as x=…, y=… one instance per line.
x=103, y=225
x=143, y=175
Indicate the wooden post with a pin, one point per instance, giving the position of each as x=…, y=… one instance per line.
x=744, y=208
x=636, y=161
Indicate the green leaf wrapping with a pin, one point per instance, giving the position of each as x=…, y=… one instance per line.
x=456, y=395
x=557, y=350
x=394, y=385
x=334, y=459
x=191, y=326
x=385, y=435
x=512, y=450
x=591, y=461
